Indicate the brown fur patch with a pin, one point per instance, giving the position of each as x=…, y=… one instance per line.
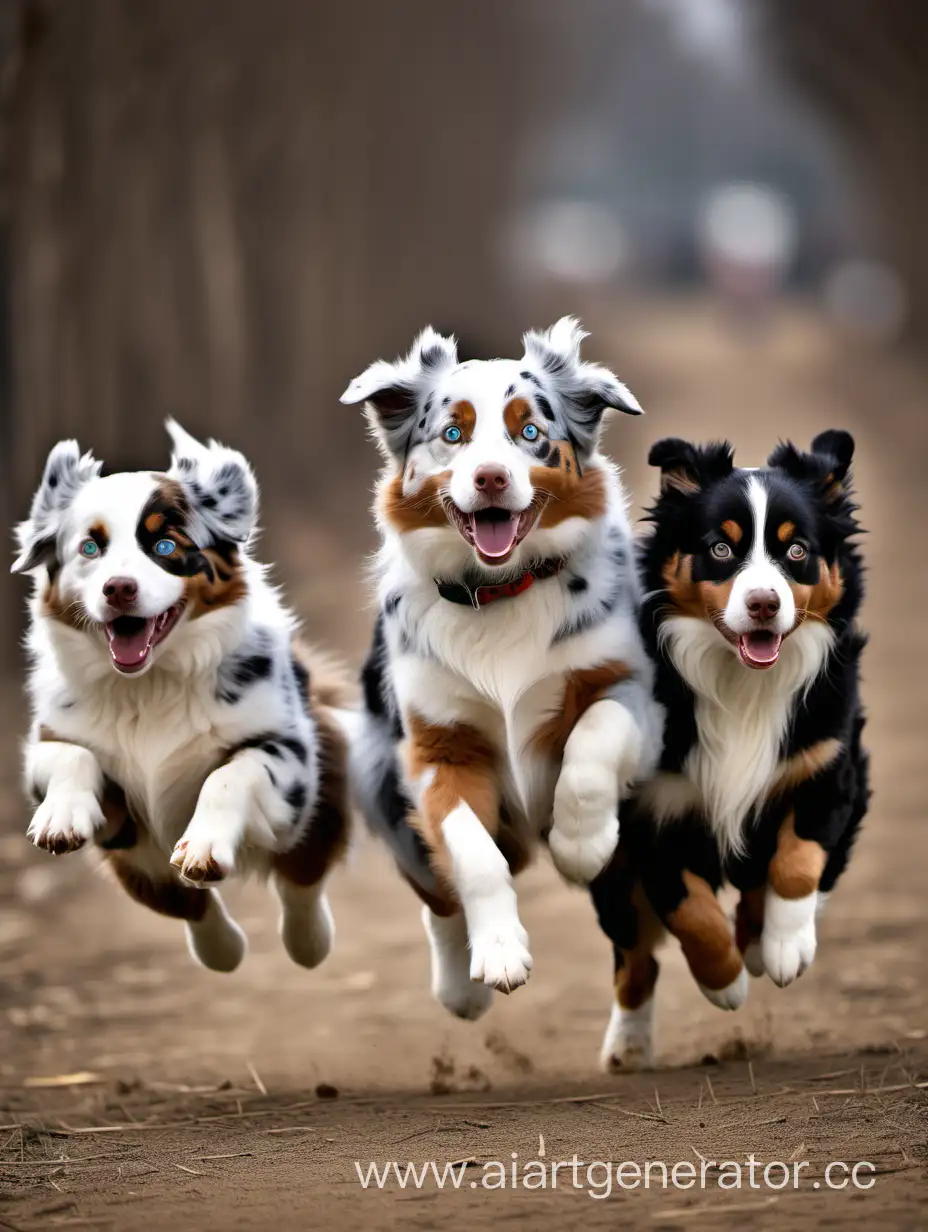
x=154, y=522
x=55, y=607
x=798, y=864
x=704, y=934
x=569, y=494
x=733, y=530
x=785, y=531
x=226, y=587
x=749, y=918
x=581, y=689
x=326, y=837
x=418, y=509
x=516, y=414
x=635, y=979
x=817, y=601
x=805, y=765
x=463, y=762
x=704, y=600
x=463, y=414
x=167, y=897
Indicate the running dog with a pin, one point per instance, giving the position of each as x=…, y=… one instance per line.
x=177, y=723
x=508, y=694
x=753, y=585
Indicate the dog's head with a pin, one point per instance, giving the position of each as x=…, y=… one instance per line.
x=490, y=451
x=756, y=552
x=127, y=559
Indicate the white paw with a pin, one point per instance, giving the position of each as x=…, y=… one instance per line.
x=216, y=942
x=65, y=821
x=451, y=982
x=754, y=959
x=580, y=856
x=202, y=859
x=500, y=959
x=628, y=1042
x=732, y=997
x=787, y=955
x=788, y=941
x=308, y=932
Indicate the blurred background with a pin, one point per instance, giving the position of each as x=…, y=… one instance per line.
x=223, y=210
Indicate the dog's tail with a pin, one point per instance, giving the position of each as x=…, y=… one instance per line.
x=330, y=682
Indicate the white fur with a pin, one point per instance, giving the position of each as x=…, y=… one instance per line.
x=760, y=572
x=307, y=927
x=629, y=1040
x=741, y=715
x=451, y=982
x=788, y=941
x=732, y=997
x=216, y=941
x=499, y=954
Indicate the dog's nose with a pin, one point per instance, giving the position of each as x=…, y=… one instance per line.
x=491, y=478
x=762, y=604
x=121, y=592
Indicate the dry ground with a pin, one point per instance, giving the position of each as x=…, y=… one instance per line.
x=242, y=1102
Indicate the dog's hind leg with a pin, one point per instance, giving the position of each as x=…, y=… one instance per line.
x=307, y=927
x=214, y=939
x=628, y=920
x=688, y=906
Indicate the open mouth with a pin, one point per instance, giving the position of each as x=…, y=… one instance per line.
x=760, y=649
x=132, y=638
x=494, y=532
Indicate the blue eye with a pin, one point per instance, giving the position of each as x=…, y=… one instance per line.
x=90, y=548
x=530, y=432
x=164, y=547
x=452, y=435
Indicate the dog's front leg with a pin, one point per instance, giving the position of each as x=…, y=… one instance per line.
x=601, y=757
x=453, y=771
x=259, y=796
x=67, y=780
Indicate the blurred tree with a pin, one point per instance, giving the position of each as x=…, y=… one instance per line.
x=865, y=64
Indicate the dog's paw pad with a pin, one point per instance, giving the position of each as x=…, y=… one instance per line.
x=64, y=823
x=500, y=960
x=581, y=858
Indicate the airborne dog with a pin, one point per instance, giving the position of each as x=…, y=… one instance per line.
x=177, y=724
x=753, y=585
x=507, y=693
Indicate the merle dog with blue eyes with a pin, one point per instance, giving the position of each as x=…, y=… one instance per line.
x=178, y=725
x=752, y=588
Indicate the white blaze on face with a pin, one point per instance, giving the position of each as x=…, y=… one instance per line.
x=759, y=573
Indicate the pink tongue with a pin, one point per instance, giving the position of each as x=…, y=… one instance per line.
x=495, y=538
x=129, y=650
x=760, y=647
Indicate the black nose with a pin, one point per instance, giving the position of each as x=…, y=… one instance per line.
x=762, y=604
x=121, y=592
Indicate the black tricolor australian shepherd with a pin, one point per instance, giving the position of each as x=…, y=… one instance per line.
x=752, y=587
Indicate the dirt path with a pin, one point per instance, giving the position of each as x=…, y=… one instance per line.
x=827, y=1070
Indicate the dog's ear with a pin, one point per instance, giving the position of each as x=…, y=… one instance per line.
x=686, y=468
x=66, y=472
x=827, y=466
x=392, y=393
x=585, y=391
x=220, y=486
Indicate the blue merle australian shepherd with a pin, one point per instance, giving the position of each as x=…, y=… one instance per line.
x=178, y=725
x=752, y=589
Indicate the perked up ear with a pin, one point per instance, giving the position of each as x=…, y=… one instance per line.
x=66, y=472
x=686, y=468
x=220, y=487
x=826, y=466
x=392, y=392
x=586, y=391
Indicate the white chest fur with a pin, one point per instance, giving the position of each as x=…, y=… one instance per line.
x=742, y=718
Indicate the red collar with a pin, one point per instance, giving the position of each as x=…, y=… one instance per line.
x=479, y=596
